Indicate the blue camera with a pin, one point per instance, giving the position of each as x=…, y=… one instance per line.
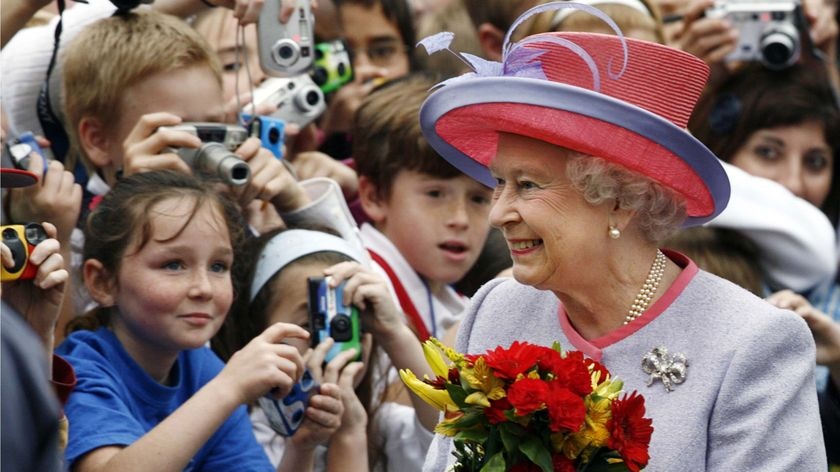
x=286, y=414
x=270, y=130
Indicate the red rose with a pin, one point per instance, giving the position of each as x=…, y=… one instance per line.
x=561, y=463
x=517, y=359
x=572, y=373
x=630, y=431
x=496, y=411
x=525, y=467
x=527, y=395
x=566, y=410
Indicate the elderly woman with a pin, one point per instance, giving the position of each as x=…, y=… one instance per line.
x=583, y=137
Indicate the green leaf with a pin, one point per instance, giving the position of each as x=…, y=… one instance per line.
x=535, y=450
x=476, y=435
x=457, y=394
x=495, y=464
x=509, y=438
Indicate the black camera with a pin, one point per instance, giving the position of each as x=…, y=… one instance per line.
x=21, y=240
x=215, y=157
x=768, y=31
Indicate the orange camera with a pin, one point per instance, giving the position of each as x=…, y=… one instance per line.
x=21, y=240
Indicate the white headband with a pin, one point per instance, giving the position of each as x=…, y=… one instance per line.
x=565, y=12
x=291, y=245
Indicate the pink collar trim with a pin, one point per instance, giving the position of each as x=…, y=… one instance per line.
x=593, y=348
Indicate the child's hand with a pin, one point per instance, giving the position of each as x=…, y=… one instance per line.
x=264, y=364
x=825, y=330
x=56, y=198
x=322, y=418
x=145, y=147
x=369, y=292
x=317, y=164
x=346, y=374
x=39, y=300
x=270, y=180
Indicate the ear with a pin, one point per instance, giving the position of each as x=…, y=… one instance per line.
x=95, y=142
x=491, y=38
x=620, y=217
x=372, y=203
x=99, y=283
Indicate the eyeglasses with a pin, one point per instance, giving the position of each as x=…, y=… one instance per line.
x=381, y=53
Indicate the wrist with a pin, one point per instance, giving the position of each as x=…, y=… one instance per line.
x=394, y=336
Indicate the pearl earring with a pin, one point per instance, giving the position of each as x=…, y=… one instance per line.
x=614, y=232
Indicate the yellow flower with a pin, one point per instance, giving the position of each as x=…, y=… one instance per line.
x=448, y=426
x=452, y=354
x=488, y=386
x=592, y=435
x=439, y=399
x=435, y=360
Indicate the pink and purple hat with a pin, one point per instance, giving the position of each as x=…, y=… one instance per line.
x=625, y=100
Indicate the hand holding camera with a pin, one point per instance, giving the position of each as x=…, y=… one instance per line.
x=214, y=157
x=768, y=31
x=55, y=197
x=33, y=275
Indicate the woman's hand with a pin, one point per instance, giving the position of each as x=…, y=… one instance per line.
x=710, y=39
x=264, y=364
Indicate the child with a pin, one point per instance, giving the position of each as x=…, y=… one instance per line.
x=127, y=75
x=429, y=221
x=380, y=35
x=278, y=293
x=159, y=251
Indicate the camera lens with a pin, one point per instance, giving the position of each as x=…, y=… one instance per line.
x=9, y=233
x=34, y=234
x=341, y=328
x=319, y=75
x=273, y=135
x=780, y=46
x=285, y=52
x=312, y=98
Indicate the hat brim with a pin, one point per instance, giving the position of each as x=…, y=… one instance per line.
x=462, y=121
x=16, y=178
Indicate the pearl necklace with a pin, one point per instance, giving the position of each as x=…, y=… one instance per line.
x=643, y=299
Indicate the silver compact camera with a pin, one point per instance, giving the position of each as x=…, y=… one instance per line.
x=767, y=31
x=215, y=157
x=298, y=99
x=285, y=49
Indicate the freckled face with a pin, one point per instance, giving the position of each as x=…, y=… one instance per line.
x=175, y=292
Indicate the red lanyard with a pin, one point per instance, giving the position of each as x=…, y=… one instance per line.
x=405, y=301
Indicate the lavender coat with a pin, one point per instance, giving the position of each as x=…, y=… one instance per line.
x=748, y=402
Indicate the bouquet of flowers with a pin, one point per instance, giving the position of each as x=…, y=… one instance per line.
x=532, y=408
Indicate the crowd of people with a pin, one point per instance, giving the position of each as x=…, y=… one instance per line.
x=612, y=175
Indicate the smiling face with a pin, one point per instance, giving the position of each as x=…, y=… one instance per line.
x=553, y=234
x=795, y=156
x=438, y=224
x=174, y=292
